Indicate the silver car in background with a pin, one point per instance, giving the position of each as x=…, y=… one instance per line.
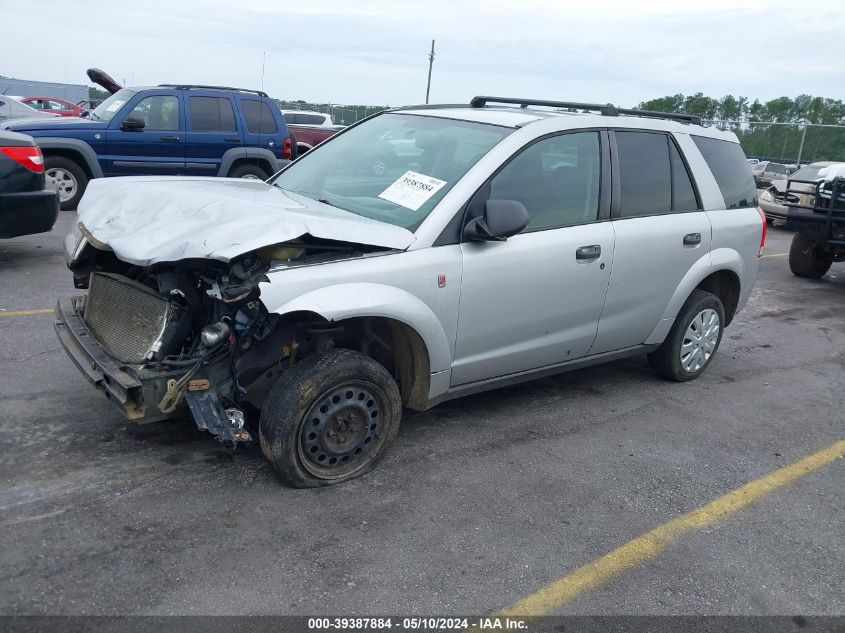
x=774, y=197
x=511, y=243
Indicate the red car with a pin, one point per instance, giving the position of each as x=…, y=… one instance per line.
x=54, y=105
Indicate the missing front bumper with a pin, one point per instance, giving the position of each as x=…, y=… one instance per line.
x=133, y=390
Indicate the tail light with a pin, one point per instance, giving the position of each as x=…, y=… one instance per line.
x=763, y=234
x=287, y=150
x=29, y=157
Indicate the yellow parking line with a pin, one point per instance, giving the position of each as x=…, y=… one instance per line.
x=15, y=313
x=775, y=255
x=646, y=547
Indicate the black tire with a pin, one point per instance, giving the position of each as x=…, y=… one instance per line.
x=248, y=170
x=666, y=359
x=74, y=171
x=311, y=424
x=807, y=258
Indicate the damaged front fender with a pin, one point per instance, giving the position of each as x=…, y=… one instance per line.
x=350, y=300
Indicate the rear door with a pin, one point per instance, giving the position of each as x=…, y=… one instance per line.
x=661, y=232
x=211, y=130
x=156, y=149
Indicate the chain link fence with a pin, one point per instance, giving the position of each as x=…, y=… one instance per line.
x=341, y=114
x=787, y=143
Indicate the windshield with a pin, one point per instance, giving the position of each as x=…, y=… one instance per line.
x=111, y=106
x=810, y=172
x=394, y=168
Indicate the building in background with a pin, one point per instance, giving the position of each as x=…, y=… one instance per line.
x=26, y=88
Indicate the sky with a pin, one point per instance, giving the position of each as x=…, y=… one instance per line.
x=376, y=51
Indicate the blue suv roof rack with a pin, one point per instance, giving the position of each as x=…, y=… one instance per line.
x=260, y=93
x=606, y=109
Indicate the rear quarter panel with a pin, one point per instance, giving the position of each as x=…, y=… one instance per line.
x=736, y=242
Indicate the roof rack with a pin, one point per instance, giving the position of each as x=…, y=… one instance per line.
x=607, y=109
x=260, y=93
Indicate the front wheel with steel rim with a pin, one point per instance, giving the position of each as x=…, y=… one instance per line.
x=67, y=177
x=329, y=418
x=693, y=339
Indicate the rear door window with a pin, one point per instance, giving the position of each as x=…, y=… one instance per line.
x=726, y=161
x=683, y=192
x=259, y=117
x=212, y=114
x=645, y=174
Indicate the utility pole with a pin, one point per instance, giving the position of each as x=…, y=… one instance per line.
x=801, y=148
x=430, y=64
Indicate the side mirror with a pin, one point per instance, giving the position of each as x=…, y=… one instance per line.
x=132, y=124
x=502, y=219
x=84, y=114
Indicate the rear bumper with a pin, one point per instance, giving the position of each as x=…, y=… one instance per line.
x=28, y=212
x=134, y=391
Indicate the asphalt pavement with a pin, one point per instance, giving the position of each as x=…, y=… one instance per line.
x=481, y=502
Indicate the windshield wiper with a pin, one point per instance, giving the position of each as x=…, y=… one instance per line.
x=331, y=204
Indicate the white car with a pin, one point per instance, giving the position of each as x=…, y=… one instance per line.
x=307, y=117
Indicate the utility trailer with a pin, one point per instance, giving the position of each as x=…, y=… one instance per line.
x=818, y=219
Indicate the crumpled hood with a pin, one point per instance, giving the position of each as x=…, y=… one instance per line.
x=147, y=219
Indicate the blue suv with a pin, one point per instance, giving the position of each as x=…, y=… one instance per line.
x=163, y=130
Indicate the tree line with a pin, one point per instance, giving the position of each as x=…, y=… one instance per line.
x=801, y=109
x=780, y=129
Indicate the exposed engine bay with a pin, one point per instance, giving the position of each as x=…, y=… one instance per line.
x=196, y=331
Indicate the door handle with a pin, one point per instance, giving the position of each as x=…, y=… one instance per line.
x=169, y=138
x=691, y=239
x=588, y=252
x=232, y=139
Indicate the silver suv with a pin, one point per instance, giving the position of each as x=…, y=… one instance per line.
x=512, y=243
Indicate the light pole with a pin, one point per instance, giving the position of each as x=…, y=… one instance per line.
x=430, y=64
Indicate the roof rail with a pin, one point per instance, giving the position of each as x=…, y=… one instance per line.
x=607, y=109
x=260, y=93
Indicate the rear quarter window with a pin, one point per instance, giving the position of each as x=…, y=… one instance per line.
x=727, y=162
x=259, y=117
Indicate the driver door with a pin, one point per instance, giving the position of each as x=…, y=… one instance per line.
x=535, y=299
x=156, y=149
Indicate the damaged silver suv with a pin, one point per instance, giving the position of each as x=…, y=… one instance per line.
x=420, y=255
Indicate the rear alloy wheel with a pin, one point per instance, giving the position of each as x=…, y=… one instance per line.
x=329, y=418
x=68, y=178
x=807, y=258
x=693, y=340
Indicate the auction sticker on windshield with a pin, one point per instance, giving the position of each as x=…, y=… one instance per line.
x=412, y=190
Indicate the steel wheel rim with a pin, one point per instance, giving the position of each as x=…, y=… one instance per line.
x=342, y=430
x=64, y=182
x=250, y=177
x=700, y=340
